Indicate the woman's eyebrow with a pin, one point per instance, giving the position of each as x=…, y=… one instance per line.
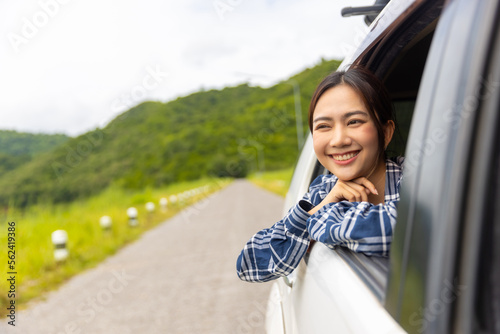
x=322, y=118
x=346, y=115
x=354, y=113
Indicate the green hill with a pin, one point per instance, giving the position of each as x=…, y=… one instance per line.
x=20, y=143
x=225, y=132
x=17, y=148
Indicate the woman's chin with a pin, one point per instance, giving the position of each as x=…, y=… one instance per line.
x=346, y=177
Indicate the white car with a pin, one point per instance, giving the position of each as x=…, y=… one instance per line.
x=440, y=61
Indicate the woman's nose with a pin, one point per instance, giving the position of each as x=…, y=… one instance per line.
x=340, y=137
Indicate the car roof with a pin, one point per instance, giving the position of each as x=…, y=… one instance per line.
x=388, y=20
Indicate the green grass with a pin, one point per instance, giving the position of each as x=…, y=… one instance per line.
x=88, y=244
x=277, y=182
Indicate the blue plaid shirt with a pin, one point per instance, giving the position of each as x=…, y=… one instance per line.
x=360, y=226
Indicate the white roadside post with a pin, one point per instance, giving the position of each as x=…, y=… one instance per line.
x=163, y=204
x=132, y=217
x=105, y=222
x=173, y=199
x=182, y=199
x=150, y=207
x=59, y=240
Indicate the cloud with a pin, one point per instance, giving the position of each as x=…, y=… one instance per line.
x=66, y=76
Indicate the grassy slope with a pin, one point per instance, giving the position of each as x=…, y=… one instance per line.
x=277, y=182
x=88, y=244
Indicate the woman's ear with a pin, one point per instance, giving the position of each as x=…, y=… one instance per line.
x=389, y=128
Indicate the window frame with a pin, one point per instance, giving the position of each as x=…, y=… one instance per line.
x=480, y=220
x=398, y=41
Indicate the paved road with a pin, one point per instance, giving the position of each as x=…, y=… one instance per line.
x=178, y=278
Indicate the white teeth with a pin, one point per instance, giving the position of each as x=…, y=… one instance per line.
x=345, y=156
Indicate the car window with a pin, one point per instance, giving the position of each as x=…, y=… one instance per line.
x=487, y=308
x=399, y=60
x=403, y=113
x=487, y=290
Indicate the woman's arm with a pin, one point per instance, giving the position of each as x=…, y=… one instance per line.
x=275, y=251
x=360, y=226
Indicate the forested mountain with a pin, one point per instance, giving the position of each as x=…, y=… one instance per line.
x=17, y=148
x=226, y=132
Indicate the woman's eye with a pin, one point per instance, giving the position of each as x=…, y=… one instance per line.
x=321, y=126
x=354, y=122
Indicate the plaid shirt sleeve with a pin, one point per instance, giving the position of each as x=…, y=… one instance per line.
x=360, y=226
x=277, y=251
x=363, y=227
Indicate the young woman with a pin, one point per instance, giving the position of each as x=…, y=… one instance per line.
x=351, y=120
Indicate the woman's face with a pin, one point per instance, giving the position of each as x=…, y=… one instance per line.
x=344, y=134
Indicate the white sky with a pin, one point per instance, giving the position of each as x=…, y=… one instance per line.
x=69, y=66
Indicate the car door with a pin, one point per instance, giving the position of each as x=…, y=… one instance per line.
x=341, y=291
x=444, y=259
x=437, y=245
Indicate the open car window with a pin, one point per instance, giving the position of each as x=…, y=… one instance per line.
x=399, y=60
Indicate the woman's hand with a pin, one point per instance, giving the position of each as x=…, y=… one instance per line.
x=356, y=190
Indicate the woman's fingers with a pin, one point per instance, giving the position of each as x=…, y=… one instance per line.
x=349, y=191
x=365, y=183
x=349, y=194
x=359, y=191
x=356, y=190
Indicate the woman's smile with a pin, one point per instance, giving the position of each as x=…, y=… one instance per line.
x=345, y=158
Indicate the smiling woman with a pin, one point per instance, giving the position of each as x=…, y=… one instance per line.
x=351, y=120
